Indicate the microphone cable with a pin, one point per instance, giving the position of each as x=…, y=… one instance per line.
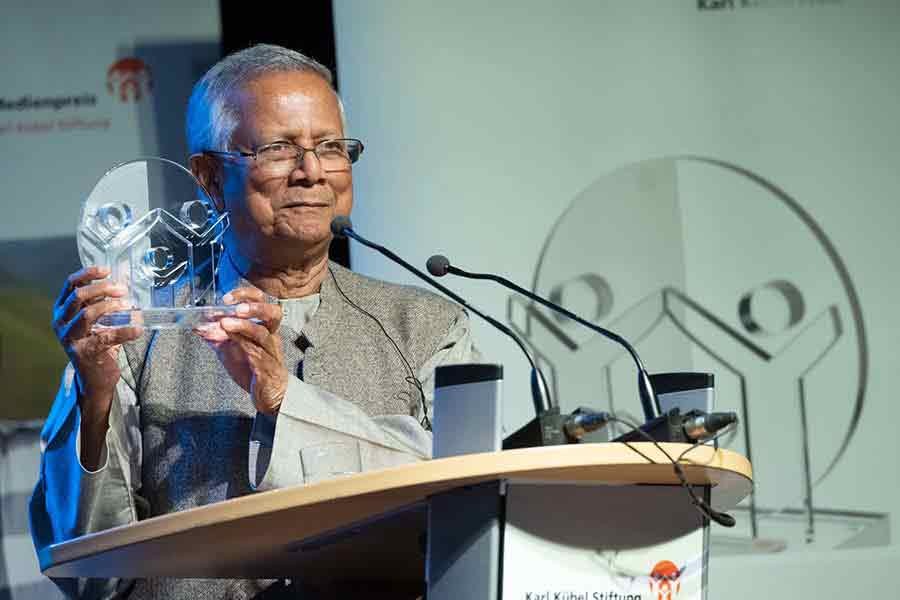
x=707, y=511
x=703, y=507
x=411, y=379
x=439, y=265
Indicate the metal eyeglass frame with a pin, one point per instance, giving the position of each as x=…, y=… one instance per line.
x=301, y=151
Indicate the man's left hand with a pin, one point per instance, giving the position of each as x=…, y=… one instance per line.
x=249, y=347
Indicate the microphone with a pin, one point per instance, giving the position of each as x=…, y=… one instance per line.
x=583, y=421
x=693, y=426
x=700, y=426
x=439, y=265
x=341, y=226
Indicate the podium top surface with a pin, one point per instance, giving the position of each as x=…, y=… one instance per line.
x=274, y=533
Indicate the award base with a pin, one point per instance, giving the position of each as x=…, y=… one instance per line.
x=794, y=530
x=165, y=318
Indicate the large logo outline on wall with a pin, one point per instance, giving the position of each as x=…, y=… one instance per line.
x=600, y=289
x=837, y=262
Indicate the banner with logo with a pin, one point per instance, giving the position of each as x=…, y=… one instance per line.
x=627, y=543
x=84, y=87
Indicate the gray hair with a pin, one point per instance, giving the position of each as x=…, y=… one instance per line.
x=211, y=117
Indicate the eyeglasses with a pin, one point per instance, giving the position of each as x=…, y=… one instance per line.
x=279, y=159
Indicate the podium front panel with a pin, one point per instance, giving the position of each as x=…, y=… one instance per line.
x=602, y=543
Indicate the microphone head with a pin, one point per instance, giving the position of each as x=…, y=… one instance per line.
x=339, y=224
x=438, y=265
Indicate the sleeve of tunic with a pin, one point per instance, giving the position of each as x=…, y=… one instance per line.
x=310, y=416
x=71, y=501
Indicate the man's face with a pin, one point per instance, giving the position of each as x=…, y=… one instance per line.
x=275, y=220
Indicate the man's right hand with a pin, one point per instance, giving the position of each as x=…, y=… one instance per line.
x=85, y=297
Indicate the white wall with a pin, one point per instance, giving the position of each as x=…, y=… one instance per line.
x=485, y=122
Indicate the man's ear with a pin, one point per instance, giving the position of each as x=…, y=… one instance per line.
x=208, y=171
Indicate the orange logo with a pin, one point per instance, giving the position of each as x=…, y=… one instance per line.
x=129, y=79
x=665, y=580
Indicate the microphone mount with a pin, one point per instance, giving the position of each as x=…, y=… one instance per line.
x=439, y=265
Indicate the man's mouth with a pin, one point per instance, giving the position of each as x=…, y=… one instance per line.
x=306, y=204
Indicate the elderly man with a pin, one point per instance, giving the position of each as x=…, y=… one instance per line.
x=149, y=424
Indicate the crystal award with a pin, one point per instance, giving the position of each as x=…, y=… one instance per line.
x=153, y=224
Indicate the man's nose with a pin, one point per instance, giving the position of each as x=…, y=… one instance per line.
x=308, y=169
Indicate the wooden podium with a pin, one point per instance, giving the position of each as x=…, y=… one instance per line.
x=371, y=527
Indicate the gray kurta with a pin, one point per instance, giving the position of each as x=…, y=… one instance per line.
x=183, y=434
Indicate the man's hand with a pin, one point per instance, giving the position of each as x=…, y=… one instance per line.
x=249, y=350
x=85, y=297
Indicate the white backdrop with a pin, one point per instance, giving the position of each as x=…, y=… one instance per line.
x=485, y=123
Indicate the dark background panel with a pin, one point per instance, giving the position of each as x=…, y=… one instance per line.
x=307, y=27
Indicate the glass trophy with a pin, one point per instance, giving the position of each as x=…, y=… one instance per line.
x=153, y=224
